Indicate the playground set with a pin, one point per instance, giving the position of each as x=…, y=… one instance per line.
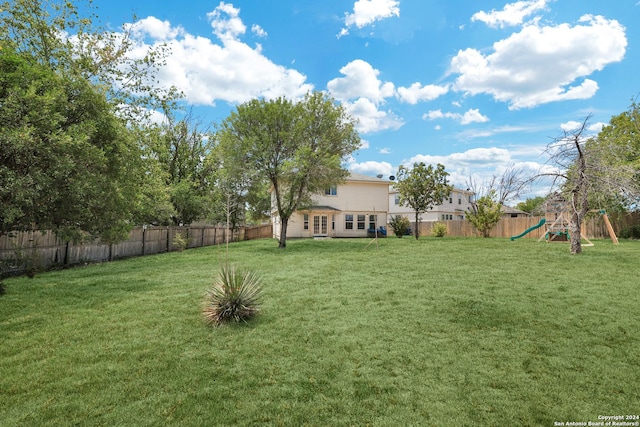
x=557, y=216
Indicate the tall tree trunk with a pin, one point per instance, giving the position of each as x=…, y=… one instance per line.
x=417, y=231
x=579, y=201
x=282, y=243
x=574, y=232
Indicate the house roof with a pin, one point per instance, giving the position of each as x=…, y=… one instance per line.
x=354, y=176
x=393, y=190
x=509, y=210
x=320, y=208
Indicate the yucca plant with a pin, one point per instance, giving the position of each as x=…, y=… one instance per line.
x=235, y=296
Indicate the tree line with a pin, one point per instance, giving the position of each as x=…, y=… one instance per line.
x=588, y=172
x=81, y=155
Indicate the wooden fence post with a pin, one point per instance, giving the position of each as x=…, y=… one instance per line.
x=66, y=254
x=144, y=232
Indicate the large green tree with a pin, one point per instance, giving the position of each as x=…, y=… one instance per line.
x=298, y=147
x=64, y=39
x=422, y=187
x=618, y=145
x=67, y=163
x=533, y=206
x=181, y=149
x=66, y=36
x=239, y=193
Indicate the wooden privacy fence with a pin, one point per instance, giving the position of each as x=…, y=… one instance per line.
x=592, y=228
x=19, y=249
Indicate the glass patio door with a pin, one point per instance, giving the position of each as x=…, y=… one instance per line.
x=320, y=225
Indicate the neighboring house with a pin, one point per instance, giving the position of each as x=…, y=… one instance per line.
x=453, y=207
x=345, y=210
x=509, y=212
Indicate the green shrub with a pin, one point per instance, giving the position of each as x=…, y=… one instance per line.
x=234, y=297
x=180, y=242
x=400, y=225
x=631, y=232
x=439, y=229
x=27, y=261
x=2, y=288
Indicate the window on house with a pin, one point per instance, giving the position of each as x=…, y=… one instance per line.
x=372, y=222
x=306, y=221
x=361, y=222
x=348, y=222
x=450, y=199
x=459, y=200
x=331, y=191
x=397, y=199
x=333, y=222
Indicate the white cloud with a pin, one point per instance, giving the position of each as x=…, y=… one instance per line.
x=366, y=12
x=154, y=28
x=570, y=125
x=360, y=80
x=477, y=164
x=573, y=125
x=487, y=157
x=225, y=21
x=512, y=14
x=384, y=150
x=471, y=116
x=542, y=64
x=370, y=118
x=416, y=93
x=362, y=93
x=486, y=132
x=373, y=168
x=207, y=72
x=435, y=114
x=258, y=30
x=596, y=127
x=481, y=164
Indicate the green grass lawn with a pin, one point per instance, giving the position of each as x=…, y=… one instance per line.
x=445, y=332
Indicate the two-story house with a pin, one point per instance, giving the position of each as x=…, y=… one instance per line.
x=346, y=210
x=453, y=207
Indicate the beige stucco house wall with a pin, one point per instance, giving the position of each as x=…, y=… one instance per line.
x=346, y=210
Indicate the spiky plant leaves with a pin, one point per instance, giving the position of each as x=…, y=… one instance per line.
x=235, y=296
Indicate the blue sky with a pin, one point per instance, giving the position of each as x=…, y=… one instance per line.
x=476, y=85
